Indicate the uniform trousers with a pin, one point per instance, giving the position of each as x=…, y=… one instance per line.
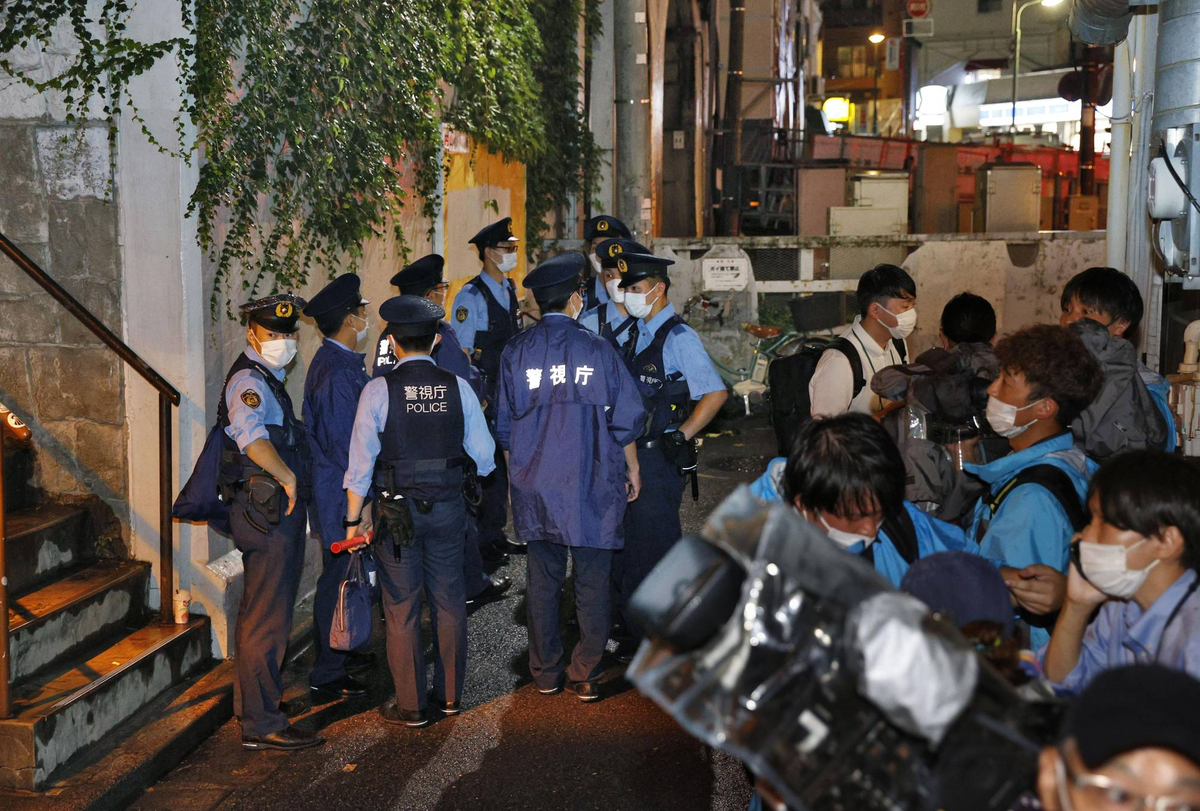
x=651, y=528
x=271, y=563
x=433, y=563
x=546, y=563
x=493, y=512
x=474, y=577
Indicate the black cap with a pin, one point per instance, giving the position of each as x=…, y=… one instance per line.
x=610, y=250
x=556, y=277
x=965, y=587
x=411, y=316
x=1137, y=707
x=278, y=313
x=637, y=266
x=605, y=226
x=494, y=234
x=343, y=293
x=421, y=276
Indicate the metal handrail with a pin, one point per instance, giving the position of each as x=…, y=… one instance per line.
x=168, y=396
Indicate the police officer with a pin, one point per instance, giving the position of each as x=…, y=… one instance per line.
x=335, y=380
x=682, y=392
x=595, y=231
x=610, y=320
x=264, y=477
x=424, y=278
x=485, y=318
x=413, y=428
x=568, y=414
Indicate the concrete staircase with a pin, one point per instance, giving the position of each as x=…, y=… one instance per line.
x=87, y=654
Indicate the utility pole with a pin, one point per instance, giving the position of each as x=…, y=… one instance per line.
x=631, y=44
x=731, y=121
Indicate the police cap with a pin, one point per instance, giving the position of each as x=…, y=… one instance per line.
x=421, y=276
x=637, y=266
x=411, y=316
x=278, y=313
x=605, y=226
x=497, y=233
x=556, y=277
x=610, y=250
x=343, y=293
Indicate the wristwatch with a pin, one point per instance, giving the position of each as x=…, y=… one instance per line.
x=679, y=437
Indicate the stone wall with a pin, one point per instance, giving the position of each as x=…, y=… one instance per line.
x=57, y=206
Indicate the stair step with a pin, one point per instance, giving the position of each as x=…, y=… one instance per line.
x=60, y=714
x=44, y=542
x=62, y=618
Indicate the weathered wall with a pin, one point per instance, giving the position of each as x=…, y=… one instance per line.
x=58, y=206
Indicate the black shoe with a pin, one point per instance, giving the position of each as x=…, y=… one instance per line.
x=493, y=554
x=357, y=662
x=347, y=686
x=513, y=547
x=551, y=691
x=585, y=691
x=286, y=739
x=408, y=718
x=494, y=590
x=626, y=650
x=297, y=706
x=446, y=707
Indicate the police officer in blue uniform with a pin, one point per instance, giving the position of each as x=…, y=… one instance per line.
x=485, y=319
x=414, y=427
x=264, y=477
x=568, y=416
x=610, y=320
x=595, y=231
x=335, y=380
x=682, y=392
x=424, y=278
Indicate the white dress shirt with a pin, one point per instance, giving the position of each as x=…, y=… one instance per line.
x=831, y=388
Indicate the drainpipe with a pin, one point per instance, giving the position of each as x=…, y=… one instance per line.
x=1118, y=173
x=1100, y=22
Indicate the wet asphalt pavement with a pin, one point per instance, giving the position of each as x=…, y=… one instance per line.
x=511, y=747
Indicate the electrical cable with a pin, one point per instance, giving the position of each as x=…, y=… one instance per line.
x=1162, y=151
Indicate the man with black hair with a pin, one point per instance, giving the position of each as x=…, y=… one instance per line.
x=1130, y=742
x=335, y=380
x=568, y=414
x=1034, y=503
x=610, y=320
x=887, y=303
x=597, y=230
x=412, y=429
x=846, y=477
x=1131, y=590
x=485, y=319
x=967, y=319
x=682, y=392
x=1112, y=299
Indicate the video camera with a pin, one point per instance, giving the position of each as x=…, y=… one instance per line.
x=767, y=641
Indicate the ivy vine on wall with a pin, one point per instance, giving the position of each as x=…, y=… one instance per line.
x=318, y=121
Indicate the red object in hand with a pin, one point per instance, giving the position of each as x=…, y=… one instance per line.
x=351, y=543
x=12, y=424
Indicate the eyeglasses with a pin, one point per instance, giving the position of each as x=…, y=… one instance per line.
x=1105, y=794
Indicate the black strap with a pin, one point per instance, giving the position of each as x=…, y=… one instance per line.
x=848, y=349
x=902, y=532
x=1053, y=479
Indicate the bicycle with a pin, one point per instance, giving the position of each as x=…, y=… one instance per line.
x=772, y=343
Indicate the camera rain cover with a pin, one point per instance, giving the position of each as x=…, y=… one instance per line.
x=792, y=682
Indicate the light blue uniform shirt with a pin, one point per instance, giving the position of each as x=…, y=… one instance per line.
x=372, y=416
x=1122, y=634
x=684, y=353
x=932, y=535
x=470, y=313
x=599, y=290
x=1031, y=526
x=612, y=316
x=248, y=422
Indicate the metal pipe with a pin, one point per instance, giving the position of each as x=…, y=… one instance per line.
x=1100, y=22
x=166, y=534
x=5, y=665
x=1118, y=167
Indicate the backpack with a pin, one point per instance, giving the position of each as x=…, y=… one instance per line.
x=788, y=378
x=1123, y=416
x=1055, y=480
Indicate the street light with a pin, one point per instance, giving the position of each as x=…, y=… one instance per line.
x=1016, y=34
x=875, y=39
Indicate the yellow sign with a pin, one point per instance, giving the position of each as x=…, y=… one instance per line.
x=837, y=108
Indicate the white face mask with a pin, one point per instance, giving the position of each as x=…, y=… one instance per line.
x=595, y=263
x=637, y=305
x=507, y=262
x=1003, y=417
x=278, y=353
x=361, y=335
x=906, y=322
x=613, y=286
x=578, y=312
x=844, y=539
x=1106, y=566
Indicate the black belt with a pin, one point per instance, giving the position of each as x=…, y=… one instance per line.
x=650, y=444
